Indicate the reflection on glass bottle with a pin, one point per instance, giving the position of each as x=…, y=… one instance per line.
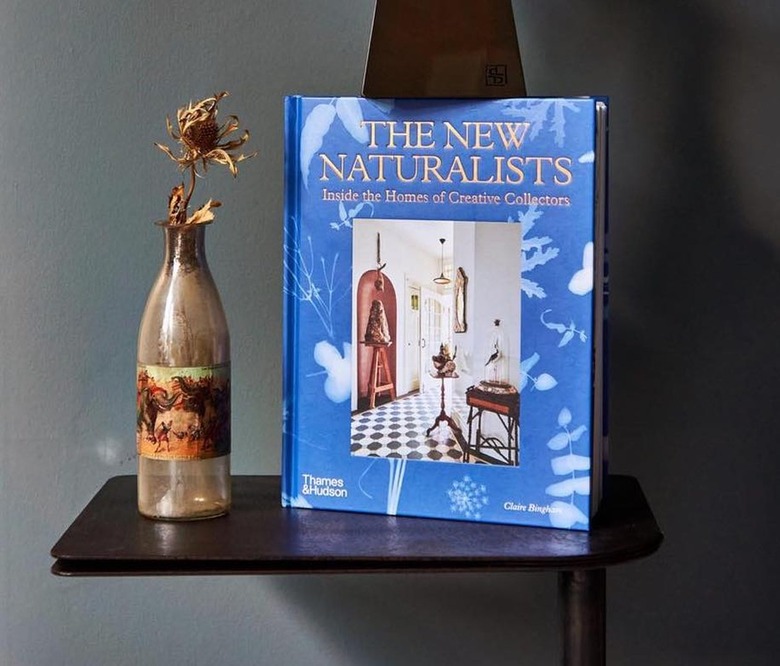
x=497, y=362
x=183, y=406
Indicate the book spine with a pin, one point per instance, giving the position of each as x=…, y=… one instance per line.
x=605, y=323
x=291, y=229
x=601, y=298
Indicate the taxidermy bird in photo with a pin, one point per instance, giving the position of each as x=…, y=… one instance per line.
x=493, y=357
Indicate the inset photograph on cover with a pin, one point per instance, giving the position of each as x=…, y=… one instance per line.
x=436, y=341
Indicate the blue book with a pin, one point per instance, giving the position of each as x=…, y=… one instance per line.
x=444, y=308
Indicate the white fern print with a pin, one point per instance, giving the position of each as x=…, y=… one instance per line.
x=567, y=332
x=535, y=251
x=566, y=514
x=306, y=283
x=542, y=113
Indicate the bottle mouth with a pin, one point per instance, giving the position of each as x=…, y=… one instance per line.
x=165, y=224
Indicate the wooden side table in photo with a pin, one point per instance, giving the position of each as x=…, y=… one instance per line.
x=504, y=402
x=380, y=378
x=443, y=417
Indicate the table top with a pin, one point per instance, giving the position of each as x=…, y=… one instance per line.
x=110, y=538
x=495, y=389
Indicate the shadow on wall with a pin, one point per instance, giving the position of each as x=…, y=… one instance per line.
x=427, y=619
x=694, y=367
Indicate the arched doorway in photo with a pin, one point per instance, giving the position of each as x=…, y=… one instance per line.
x=377, y=333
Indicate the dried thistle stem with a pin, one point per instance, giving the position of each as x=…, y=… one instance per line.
x=202, y=141
x=191, y=189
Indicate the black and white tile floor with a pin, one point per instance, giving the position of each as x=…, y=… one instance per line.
x=397, y=429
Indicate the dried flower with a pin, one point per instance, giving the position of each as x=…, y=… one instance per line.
x=204, y=214
x=177, y=212
x=202, y=142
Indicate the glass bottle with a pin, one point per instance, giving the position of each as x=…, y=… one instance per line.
x=183, y=407
x=497, y=366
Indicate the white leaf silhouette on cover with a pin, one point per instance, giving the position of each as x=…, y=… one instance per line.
x=587, y=158
x=564, y=417
x=566, y=339
x=582, y=281
x=315, y=128
x=565, y=515
x=541, y=113
x=384, y=105
x=346, y=216
x=338, y=385
x=350, y=114
x=560, y=441
x=298, y=502
x=567, y=332
x=580, y=485
x=570, y=463
x=535, y=251
x=545, y=382
x=525, y=368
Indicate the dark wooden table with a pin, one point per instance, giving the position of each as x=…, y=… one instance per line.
x=505, y=405
x=110, y=538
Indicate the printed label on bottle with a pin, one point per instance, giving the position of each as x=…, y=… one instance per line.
x=183, y=413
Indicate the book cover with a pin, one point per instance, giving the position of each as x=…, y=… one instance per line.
x=443, y=308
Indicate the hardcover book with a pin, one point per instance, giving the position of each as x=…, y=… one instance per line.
x=444, y=271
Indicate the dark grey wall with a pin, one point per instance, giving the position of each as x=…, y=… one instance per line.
x=84, y=89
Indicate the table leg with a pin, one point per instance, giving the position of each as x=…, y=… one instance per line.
x=442, y=414
x=467, y=452
x=582, y=595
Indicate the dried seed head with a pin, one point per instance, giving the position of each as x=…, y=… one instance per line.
x=202, y=140
x=202, y=136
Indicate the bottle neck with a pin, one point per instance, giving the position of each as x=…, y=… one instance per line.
x=185, y=247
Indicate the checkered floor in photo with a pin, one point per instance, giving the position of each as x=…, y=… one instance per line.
x=397, y=429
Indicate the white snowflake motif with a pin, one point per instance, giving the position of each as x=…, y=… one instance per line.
x=468, y=498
